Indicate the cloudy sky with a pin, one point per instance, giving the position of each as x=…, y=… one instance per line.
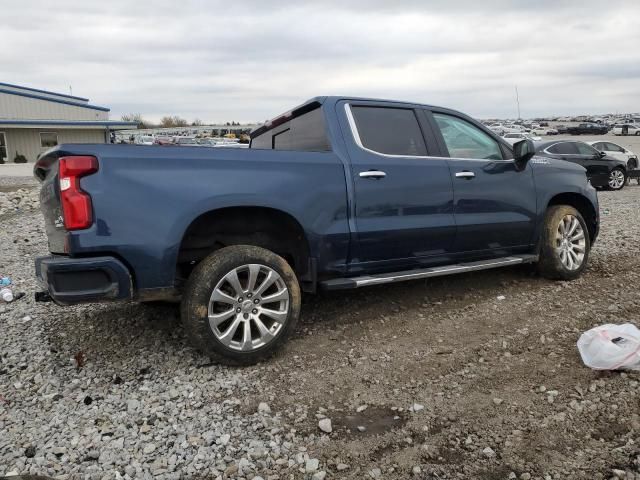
x=248, y=61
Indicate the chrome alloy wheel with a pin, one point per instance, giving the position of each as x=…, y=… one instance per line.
x=616, y=179
x=248, y=307
x=570, y=242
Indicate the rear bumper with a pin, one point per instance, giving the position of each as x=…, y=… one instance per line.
x=84, y=280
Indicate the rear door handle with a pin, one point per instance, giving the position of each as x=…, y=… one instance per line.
x=465, y=174
x=374, y=174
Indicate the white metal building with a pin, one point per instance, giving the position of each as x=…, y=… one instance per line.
x=32, y=121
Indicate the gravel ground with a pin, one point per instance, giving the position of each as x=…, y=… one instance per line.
x=436, y=379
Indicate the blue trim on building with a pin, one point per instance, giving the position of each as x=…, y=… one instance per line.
x=62, y=123
x=2, y=84
x=55, y=100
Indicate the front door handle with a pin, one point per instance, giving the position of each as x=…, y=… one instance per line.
x=374, y=174
x=465, y=174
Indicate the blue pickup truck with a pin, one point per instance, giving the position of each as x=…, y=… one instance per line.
x=337, y=193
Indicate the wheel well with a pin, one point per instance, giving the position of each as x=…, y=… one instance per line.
x=583, y=205
x=264, y=227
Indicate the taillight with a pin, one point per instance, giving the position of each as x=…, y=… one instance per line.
x=76, y=204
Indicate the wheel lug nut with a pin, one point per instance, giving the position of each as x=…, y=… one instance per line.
x=238, y=310
x=256, y=301
x=254, y=311
x=249, y=295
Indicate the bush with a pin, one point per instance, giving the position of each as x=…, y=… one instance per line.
x=20, y=158
x=1, y=160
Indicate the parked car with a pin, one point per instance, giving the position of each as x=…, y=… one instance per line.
x=338, y=193
x=544, y=130
x=587, y=129
x=618, y=152
x=186, y=141
x=144, y=140
x=501, y=128
x=512, y=138
x=626, y=129
x=602, y=170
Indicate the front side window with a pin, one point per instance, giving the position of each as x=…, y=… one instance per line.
x=48, y=139
x=600, y=146
x=465, y=140
x=392, y=131
x=564, y=148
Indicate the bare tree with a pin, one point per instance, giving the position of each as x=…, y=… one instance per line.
x=137, y=117
x=197, y=122
x=173, y=121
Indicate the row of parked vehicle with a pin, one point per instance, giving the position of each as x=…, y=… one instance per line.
x=189, y=141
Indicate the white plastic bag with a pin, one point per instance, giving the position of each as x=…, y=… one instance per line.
x=611, y=347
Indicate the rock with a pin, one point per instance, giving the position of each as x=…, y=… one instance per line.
x=361, y=408
x=488, y=452
x=30, y=451
x=319, y=475
x=525, y=476
x=133, y=405
x=224, y=439
x=149, y=448
x=362, y=428
x=341, y=466
x=417, y=407
x=264, y=408
x=325, y=425
x=311, y=465
x=501, y=297
x=416, y=470
x=497, y=401
x=231, y=470
x=375, y=473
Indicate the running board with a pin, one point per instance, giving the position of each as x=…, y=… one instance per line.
x=364, y=281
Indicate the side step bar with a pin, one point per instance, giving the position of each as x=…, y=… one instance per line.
x=355, y=282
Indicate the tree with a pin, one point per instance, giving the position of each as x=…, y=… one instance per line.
x=136, y=117
x=173, y=121
x=197, y=122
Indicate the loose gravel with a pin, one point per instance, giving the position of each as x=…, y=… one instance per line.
x=475, y=376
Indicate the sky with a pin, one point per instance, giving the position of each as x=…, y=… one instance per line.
x=251, y=60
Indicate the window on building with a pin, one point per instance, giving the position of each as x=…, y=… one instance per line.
x=392, y=131
x=306, y=133
x=3, y=146
x=48, y=139
x=465, y=140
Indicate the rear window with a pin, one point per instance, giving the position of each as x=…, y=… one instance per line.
x=565, y=148
x=306, y=132
x=392, y=131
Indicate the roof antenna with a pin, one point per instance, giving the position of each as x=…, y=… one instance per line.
x=518, y=102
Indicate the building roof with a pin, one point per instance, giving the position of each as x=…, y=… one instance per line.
x=110, y=124
x=37, y=90
x=70, y=101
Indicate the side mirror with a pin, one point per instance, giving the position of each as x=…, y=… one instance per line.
x=523, y=151
x=602, y=154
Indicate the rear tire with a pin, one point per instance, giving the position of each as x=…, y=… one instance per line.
x=240, y=304
x=564, y=244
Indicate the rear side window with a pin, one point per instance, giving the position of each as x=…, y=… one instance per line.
x=612, y=147
x=306, y=133
x=392, y=131
x=465, y=140
x=564, y=148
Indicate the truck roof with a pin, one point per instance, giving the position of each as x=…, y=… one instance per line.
x=316, y=102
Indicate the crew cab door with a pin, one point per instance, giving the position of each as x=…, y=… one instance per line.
x=403, y=197
x=494, y=201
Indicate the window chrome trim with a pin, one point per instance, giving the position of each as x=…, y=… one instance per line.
x=356, y=136
x=358, y=140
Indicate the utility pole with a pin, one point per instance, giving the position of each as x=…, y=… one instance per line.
x=518, y=102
